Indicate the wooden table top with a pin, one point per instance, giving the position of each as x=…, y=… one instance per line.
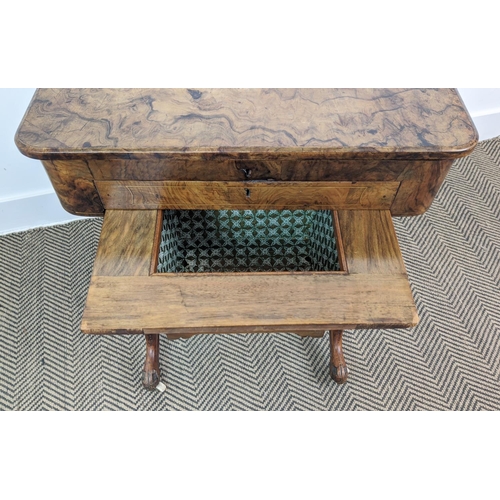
x=247, y=124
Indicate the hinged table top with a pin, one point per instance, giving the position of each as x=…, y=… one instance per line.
x=251, y=124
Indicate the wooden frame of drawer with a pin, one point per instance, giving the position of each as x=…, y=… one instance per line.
x=125, y=297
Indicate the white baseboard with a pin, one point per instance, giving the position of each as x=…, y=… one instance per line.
x=32, y=211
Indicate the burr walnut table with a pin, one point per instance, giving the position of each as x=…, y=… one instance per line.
x=246, y=210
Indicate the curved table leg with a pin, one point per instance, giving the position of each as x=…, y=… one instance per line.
x=338, y=367
x=151, y=373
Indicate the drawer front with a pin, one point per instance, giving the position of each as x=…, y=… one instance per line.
x=126, y=295
x=138, y=195
x=222, y=169
x=75, y=181
x=225, y=169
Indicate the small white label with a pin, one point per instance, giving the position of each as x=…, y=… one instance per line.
x=161, y=387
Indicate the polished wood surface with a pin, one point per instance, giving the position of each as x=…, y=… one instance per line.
x=141, y=195
x=418, y=181
x=373, y=296
x=228, y=169
x=74, y=185
x=84, y=136
x=246, y=124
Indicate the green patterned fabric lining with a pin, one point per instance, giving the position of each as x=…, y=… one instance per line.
x=247, y=241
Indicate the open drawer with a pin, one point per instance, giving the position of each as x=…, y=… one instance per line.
x=368, y=288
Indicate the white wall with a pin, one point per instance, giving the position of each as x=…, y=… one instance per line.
x=484, y=107
x=27, y=199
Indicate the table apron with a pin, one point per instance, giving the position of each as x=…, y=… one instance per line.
x=251, y=195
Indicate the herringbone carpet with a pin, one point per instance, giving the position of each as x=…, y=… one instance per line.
x=450, y=361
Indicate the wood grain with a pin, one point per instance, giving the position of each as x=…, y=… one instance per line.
x=419, y=185
x=219, y=304
x=409, y=136
x=140, y=195
x=419, y=180
x=223, y=169
x=218, y=168
x=367, y=152
x=151, y=373
x=246, y=124
x=338, y=367
x=375, y=294
x=74, y=186
x=370, y=242
x=126, y=243
x=73, y=182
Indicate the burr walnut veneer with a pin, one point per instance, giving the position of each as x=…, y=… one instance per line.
x=129, y=154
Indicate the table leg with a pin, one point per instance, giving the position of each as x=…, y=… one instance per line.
x=338, y=367
x=151, y=373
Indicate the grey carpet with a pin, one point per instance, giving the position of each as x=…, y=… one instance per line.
x=450, y=361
